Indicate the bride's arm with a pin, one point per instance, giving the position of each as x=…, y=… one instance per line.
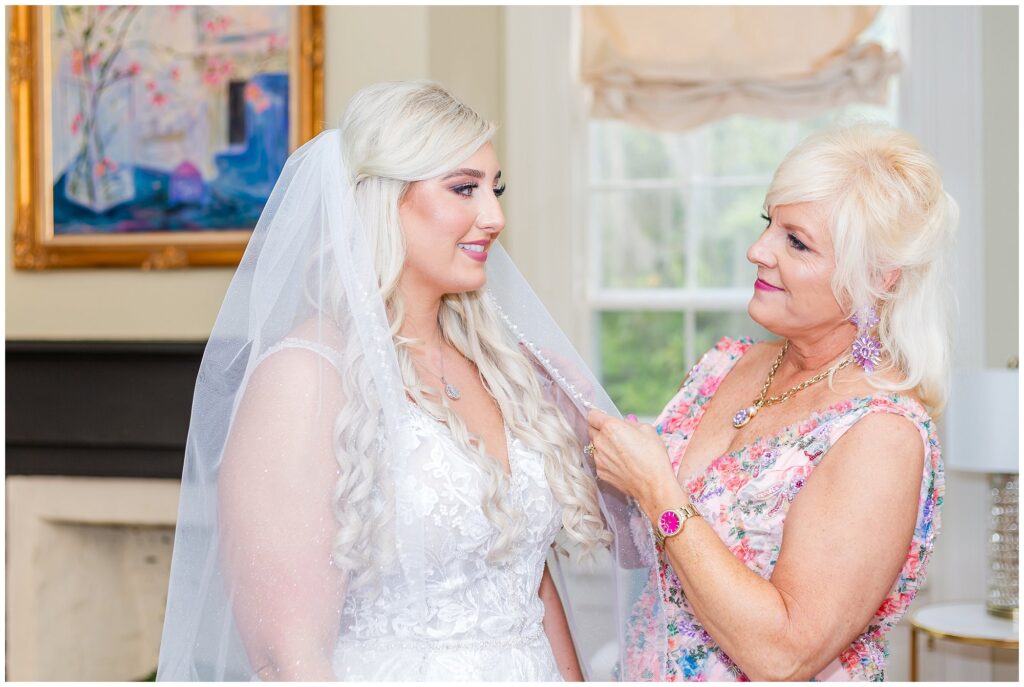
x=556, y=627
x=276, y=523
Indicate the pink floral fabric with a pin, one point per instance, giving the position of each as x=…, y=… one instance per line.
x=745, y=495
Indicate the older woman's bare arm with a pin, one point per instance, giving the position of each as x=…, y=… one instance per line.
x=276, y=522
x=847, y=535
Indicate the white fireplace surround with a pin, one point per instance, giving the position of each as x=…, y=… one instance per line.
x=87, y=566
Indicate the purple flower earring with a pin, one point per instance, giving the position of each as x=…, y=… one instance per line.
x=867, y=350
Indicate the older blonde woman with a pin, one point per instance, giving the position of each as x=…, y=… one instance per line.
x=796, y=483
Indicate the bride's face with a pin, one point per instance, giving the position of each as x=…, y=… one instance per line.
x=449, y=223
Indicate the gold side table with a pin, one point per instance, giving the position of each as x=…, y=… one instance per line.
x=966, y=622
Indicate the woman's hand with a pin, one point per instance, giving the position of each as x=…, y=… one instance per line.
x=631, y=457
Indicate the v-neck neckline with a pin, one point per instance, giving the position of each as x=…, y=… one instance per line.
x=509, y=439
x=819, y=417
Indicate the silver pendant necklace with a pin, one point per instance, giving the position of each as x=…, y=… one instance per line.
x=450, y=390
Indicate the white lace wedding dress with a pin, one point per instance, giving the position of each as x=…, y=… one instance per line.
x=483, y=619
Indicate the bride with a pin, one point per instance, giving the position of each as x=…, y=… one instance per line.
x=382, y=451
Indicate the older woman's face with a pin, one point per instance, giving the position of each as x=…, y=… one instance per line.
x=795, y=261
x=449, y=223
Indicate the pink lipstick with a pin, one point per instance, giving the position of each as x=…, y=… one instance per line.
x=762, y=285
x=477, y=250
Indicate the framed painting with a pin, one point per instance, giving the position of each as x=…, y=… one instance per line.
x=151, y=136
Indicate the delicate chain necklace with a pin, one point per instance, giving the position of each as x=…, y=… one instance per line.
x=744, y=415
x=450, y=390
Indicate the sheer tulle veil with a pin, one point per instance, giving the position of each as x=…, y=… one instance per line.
x=294, y=489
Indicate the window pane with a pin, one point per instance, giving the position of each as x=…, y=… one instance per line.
x=641, y=359
x=640, y=234
x=727, y=220
x=713, y=325
x=749, y=146
x=621, y=151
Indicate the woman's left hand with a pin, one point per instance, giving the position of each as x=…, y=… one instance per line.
x=630, y=456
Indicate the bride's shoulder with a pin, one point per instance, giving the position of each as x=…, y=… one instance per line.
x=303, y=349
x=322, y=330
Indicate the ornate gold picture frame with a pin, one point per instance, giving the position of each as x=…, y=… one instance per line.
x=137, y=147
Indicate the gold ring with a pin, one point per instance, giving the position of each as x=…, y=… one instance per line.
x=588, y=450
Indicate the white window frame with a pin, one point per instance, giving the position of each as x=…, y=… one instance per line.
x=545, y=147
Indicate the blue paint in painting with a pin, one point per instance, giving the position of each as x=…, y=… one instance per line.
x=253, y=167
x=187, y=185
x=179, y=199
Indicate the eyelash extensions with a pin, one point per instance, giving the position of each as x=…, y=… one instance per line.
x=467, y=190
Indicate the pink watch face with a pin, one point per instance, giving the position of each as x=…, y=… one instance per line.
x=669, y=523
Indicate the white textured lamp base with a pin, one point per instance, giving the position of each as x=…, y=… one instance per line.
x=1003, y=546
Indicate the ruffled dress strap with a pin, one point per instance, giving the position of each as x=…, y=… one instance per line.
x=680, y=418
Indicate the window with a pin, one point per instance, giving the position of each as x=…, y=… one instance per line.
x=670, y=217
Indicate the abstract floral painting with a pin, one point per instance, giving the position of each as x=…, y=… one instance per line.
x=155, y=121
x=167, y=118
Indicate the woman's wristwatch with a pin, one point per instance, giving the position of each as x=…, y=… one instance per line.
x=670, y=522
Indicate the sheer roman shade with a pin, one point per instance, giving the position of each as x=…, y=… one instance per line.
x=674, y=68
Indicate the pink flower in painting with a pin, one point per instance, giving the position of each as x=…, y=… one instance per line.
x=217, y=25
x=255, y=96
x=217, y=71
x=104, y=166
x=76, y=123
x=134, y=68
x=151, y=85
x=77, y=62
x=159, y=99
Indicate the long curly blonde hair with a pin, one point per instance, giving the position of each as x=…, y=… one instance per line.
x=394, y=134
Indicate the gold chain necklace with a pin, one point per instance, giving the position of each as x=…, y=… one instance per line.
x=744, y=415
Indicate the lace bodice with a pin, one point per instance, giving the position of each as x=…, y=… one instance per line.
x=483, y=619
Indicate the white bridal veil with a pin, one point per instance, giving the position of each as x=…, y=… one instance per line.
x=295, y=488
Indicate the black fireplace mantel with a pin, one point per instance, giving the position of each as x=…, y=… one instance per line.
x=99, y=408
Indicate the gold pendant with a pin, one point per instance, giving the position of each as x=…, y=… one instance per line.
x=743, y=416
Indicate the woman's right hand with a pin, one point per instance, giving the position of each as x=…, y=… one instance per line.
x=632, y=458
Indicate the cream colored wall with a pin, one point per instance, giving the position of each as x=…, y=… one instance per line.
x=458, y=46
x=1000, y=47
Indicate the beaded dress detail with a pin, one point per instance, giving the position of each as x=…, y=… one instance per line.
x=484, y=618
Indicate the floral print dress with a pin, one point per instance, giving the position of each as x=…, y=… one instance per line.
x=745, y=495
